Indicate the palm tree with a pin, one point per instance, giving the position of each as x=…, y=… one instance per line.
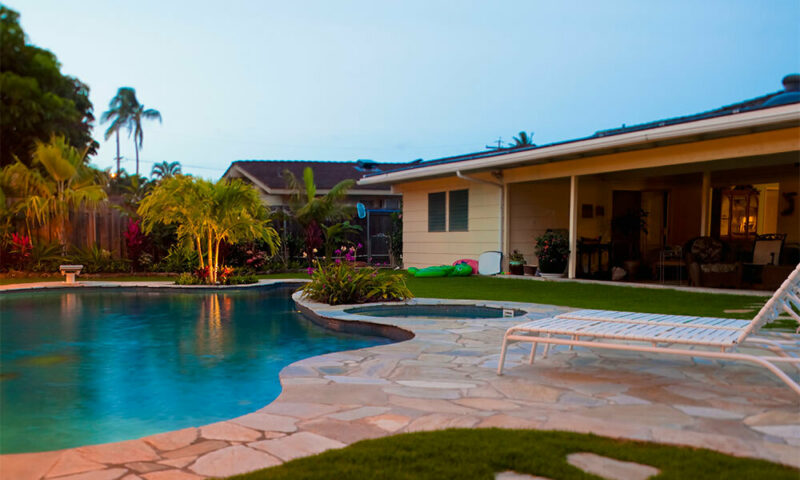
x=523, y=140
x=63, y=184
x=166, y=169
x=311, y=211
x=208, y=213
x=135, y=125
x=119, y=112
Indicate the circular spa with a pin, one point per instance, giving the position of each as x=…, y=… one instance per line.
x=86, y=366
x=456, y=312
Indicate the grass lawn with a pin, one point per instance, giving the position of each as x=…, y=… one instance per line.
x=480, y=453
x=586, y=295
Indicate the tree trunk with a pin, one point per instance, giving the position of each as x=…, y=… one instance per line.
x=200, y=251
x=136, y=146
x=216, y=256
x=118, y=152
x=212, y=274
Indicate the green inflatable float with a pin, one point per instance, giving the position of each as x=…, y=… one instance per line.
x=460, y=270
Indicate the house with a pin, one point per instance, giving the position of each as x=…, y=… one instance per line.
x=379, y=201
x=729, y=173
x=268, y=177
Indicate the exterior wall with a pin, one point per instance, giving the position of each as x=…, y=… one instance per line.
x=538, y=195
x=533, y=207
x=422, y=248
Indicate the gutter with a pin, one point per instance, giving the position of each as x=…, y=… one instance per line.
x=789, y=114
x=502, y=187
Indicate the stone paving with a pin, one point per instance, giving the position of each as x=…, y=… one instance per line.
x=445, y=377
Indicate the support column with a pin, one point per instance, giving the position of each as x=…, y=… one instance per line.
x=506, y=223
x=704, y=203
x=573, y=226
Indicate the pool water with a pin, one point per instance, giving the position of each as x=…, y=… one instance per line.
x=456, y=312
x=103, y=365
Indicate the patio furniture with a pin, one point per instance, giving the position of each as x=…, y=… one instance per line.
x=70, y=272
x=670, y=258
x=767, y=250
x=618, y=331
x=588, y=249
x=710, y=264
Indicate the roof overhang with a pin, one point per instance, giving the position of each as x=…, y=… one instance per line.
x=729, y=125
x=234, y=171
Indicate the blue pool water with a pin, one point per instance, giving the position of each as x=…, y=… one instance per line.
x=102, y=365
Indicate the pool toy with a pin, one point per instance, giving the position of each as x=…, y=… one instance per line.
x=462, y=270
x=472, y=263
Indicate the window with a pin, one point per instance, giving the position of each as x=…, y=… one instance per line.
x=436, y=211
x=459, y=210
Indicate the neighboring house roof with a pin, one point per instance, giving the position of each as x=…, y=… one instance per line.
x=268, y=174
x=667, y=129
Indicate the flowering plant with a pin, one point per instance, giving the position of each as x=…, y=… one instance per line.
x=552, y=249
x=20, y=248
x=340, y=282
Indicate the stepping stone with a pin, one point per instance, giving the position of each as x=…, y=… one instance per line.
x=233, y=461
x=509, y=475
x=610, y=468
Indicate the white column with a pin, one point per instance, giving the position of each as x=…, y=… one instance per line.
x=506, y=225
x=573, y=226
x=704, y=203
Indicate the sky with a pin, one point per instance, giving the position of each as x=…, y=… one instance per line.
x=398, y=81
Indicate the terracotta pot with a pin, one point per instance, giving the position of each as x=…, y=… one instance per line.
x=516, y=268
x=530, y=270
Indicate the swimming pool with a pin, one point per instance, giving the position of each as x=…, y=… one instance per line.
x=436, y=311
x=89, y=366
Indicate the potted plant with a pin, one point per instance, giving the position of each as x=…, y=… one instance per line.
x=552, y=249
x=516, y=263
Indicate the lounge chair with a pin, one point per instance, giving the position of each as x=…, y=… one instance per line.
x=662, y=331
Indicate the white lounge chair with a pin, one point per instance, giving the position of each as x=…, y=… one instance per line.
x=662, y=331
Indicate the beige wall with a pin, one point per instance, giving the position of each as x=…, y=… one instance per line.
x=533, y=207
x=423, y=249
x=538, y=195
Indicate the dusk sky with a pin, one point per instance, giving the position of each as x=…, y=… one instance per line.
x=396, y=81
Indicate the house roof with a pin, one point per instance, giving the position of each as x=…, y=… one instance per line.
x=269, y=173
x=771, y=100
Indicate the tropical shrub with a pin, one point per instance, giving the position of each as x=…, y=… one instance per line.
x=97, y=260
x=45, y=257
x=552, y=249
x=343, y=283
x=187, y=279
x=396, y=239
x=179, y=259
x=241, y=279
x=134, y=241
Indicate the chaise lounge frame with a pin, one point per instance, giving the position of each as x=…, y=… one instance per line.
x=663, y=331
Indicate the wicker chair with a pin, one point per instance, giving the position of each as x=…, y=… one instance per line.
x=710, y=264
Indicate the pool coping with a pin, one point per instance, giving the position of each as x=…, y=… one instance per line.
x=441, y=376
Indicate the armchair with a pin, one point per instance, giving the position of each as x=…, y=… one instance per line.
x=710, y=264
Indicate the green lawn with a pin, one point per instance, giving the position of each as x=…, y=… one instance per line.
x=480, y=453
x=586, y=295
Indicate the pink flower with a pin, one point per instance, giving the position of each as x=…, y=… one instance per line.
x=338, y=261
x=359, y=246
x=310, y=270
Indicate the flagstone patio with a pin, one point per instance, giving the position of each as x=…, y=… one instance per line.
x=445, y=377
